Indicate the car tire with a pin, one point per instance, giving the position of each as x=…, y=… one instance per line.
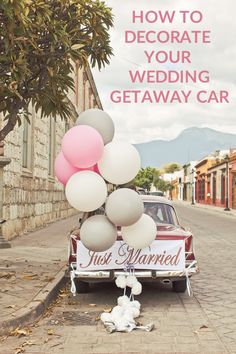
x=179, y=286
x=81, y=286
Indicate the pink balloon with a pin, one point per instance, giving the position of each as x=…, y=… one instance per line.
x=95, y=169
x=63, y=170
x=82, y=146
x=87, y=169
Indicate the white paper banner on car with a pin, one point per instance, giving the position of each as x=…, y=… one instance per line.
x=160, y=255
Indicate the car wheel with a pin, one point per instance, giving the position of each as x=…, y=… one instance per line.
x=179, y=286
x=81, y=286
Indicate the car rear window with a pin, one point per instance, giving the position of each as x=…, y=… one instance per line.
x=161, y=213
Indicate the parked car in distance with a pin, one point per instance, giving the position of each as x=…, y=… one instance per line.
x=168, y=228
x=157, y=193
x=141, y=191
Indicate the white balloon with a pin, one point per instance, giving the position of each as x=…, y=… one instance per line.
x=141, y=234
x=99, y=120
x=98, y=234
x=121, y=324
x=137, y=289
x=120, y=162
x=135, y=304
x=121, y=281
x=128, y=316
x=124, y=207
x=123, y=300
x=135, y=312
x=127, y=310
x=130, y=311
x=86, y=191
x=106, y=317
x=117, y=311
x=131, y=280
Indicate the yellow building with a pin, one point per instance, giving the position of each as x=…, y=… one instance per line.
x=202, y=180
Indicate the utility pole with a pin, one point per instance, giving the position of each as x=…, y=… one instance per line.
x=227, y=185
x=192, y=172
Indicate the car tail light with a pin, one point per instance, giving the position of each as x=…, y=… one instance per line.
x=189, y=248
x=73, y=247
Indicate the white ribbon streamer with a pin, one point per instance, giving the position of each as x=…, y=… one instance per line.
x=72, y=277
x=189, y=288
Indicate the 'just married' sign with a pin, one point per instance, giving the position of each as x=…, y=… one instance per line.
x=160, y=255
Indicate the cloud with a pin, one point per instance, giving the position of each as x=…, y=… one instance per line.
x=144, y=122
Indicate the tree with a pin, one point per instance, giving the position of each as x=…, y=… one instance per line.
x=171, y=167
x=162, y=185
x=39, y=39
x=146, y=177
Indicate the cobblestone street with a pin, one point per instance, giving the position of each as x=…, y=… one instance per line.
x=205, y=323
x=215, y=287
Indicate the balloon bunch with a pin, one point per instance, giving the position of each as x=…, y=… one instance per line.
x=122, y=317
x=123, y=281
x=88, y=160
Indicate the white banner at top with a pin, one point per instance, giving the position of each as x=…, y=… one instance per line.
x=160, y=255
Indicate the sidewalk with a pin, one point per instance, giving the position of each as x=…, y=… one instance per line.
x=211, y=208
x=32, y=273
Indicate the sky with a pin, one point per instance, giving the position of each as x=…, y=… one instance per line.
x=142, y=122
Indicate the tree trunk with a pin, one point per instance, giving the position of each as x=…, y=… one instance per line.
x=11, y=121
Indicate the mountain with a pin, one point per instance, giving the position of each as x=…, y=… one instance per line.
x=191, y=144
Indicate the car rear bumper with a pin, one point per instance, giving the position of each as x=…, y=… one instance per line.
x=100, y=275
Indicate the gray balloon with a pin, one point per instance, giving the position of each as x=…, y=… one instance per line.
x=99, y=120
x=98, y=234
x=124, y=207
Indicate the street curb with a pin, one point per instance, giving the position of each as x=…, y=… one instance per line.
x=34, y=309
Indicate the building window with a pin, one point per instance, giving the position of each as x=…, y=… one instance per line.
x=27, y=146
x=51, y=155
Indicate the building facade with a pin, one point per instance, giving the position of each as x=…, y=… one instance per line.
x=202, y=180
x=31, y=195
x=223, y=181
x=211, y=180
x=218, y=186
x=189, y=181
x=176, y=180
x=215, y=179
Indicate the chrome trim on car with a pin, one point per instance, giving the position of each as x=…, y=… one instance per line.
x=191, y=268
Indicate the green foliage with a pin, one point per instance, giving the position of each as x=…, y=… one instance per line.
x=146, y=177
x=151, y=176
x=39, y=39
x=171, y=167
x=162, y=185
